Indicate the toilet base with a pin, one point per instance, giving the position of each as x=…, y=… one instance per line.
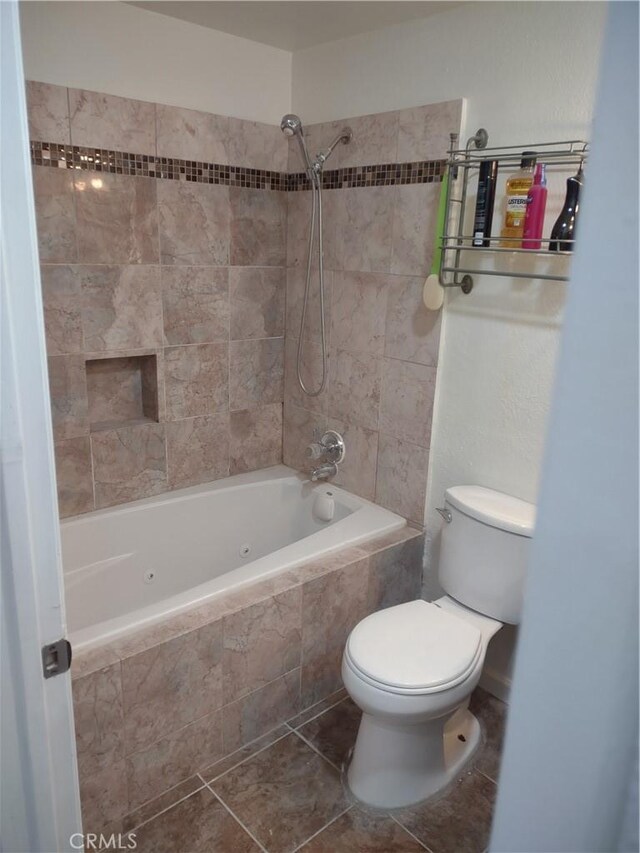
x=398, y=765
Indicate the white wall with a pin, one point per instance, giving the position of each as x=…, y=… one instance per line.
x=527, y=72
x=122, y=50
x=570, y=768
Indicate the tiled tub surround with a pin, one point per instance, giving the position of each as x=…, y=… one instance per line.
x=155, y=707
x=179, y=287
x=184, y=255
x=383, y=343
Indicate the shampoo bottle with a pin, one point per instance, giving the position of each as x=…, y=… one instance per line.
x=536, y=204
x=484, y=204
x=518, y=187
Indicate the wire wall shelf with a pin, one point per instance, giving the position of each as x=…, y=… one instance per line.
x=459, y=257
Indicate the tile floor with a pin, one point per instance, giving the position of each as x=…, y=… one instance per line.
x=283, y=793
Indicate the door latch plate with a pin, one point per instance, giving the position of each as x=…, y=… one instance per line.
x=56, y=658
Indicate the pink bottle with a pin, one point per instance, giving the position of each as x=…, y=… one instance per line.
x=536, y=204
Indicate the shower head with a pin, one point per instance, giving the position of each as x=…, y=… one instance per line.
x=291, y=125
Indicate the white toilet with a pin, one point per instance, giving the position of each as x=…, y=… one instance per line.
x=412, y=668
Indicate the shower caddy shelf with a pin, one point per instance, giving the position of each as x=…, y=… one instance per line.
x=463, y=164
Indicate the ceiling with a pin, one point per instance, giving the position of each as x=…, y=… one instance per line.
x=294, y=25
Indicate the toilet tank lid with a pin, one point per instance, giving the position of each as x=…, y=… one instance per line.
x=494, y=508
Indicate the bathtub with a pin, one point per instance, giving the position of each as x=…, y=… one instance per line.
x=130, y=567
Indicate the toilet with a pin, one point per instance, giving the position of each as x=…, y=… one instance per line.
x=411, y=668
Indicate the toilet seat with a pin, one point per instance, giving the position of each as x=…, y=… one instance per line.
x=414, y=648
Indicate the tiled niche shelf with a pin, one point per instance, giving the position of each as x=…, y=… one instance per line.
x=122, y=391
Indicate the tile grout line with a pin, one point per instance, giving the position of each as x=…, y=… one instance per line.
x=247, y=758
x=326, y=826
x=408, y=831
x=315, y=749
x=315, y=716
x=235, y=817
x=162, y=811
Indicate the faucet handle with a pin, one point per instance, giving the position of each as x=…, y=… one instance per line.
x=314, y=451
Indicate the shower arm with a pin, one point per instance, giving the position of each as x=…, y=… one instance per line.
x=345, y=136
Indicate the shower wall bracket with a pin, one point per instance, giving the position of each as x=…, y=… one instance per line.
x=461, y=260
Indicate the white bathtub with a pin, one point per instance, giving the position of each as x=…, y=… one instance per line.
x=135, y=565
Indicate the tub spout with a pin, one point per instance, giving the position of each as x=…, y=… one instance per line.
x=324, y=471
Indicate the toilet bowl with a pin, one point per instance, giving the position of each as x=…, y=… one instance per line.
x=411, y=668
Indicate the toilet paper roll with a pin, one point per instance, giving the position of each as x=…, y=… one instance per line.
x=433, y=293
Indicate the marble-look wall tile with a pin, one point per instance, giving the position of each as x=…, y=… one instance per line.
x=354, y=390
x=128, y=464
x=406, y=401
x=258, y=227
x=191, y=134
x=171, y=684
x=395, y=574
x=121, y=307
x=414, y=223
x=402, y=477
x=357, y=473
x=68, y=393
x=331, y=606
x=106, y=121
x=256, y=373
x=99, y=722
x=196, y=380
x=412, y=332
x=311, y=372
x=298, y=221
x=117, y=219
x=48, y=112
x=173, y=759
x=299, y=429
x=257, y=301
x=296, y=284
x=358, y=312
x=62, y=313
x=55, y=215
x=375, y=140
x=194, y=223
x=255, y=438
x=256, y=145
x=195, y=303
x=261, y=643
x=260, y=711
x=74, y=476
x=198, y=450
x=103, y=796
x=423, y=132
x=363, y=229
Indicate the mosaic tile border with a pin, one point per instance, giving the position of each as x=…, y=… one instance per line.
x=169, y=168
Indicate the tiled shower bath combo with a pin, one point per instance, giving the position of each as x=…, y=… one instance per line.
x=172, y=245
x=173, y=248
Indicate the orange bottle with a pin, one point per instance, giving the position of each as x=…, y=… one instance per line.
x=518, y=187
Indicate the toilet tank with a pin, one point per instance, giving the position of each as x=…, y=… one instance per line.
x=484, y=550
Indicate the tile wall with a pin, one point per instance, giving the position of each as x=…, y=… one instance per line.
x=383, y=343
x=166, y=289
x=173, y=279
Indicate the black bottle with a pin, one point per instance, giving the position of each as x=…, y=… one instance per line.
x=484, y=204
x=565, y=228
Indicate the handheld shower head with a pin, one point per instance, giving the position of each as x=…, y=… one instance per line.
x=291, y=125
